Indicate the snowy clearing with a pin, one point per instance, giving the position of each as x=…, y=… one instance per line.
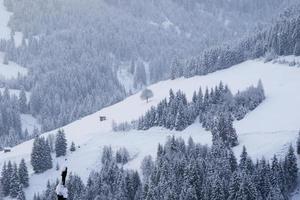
x=267, y=130
x=12, y=70
x=29, y=123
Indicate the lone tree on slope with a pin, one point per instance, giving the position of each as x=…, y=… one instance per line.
x=60, y=143
x=146, y=94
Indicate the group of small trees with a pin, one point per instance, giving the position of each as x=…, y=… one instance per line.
x=188, y=171
x=121, y=157
x=14, y=179
x=41, y=159
x=216, y=110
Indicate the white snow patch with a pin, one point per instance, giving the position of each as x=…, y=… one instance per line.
x=12, y=70
x=125, y=77
x=267, y=130
x=30, y=123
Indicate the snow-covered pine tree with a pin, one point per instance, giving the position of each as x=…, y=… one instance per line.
x=72, y=147
x=75, y=187
x=107, y=155
x=297, y=48
x=23, y=174
x=290, y=169
x=298, y=143
x=23, y=101
x=275, y=193
x=180, y=121
x=5, y=178
x=21, y=194
x=41, y=159
x=15, y=184
x=243, y=159
x=234, y=186
x=60, y=143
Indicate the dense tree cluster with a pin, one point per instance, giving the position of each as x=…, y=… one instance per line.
x=14, y=179
x=282, y=38
x=189, y=172
x=216, y=110
x=41, y=159
x=10, y=119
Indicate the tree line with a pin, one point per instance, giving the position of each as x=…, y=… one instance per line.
x=280, y=39
x=215, y=109
x=13, y=179
x=188, y=171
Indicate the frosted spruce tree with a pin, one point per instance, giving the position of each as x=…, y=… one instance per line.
x=60, y=143
x=41, y=159
x=23, y=101
x=72, y=147
x=23, y=174
x=15, y=184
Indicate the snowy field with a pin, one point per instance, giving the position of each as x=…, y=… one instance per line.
x=267, y=130
x=12, y=70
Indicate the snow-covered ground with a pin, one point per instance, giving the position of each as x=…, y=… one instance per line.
x=30, y=123
x=267, y=130
x=12, y=70
x=4, y=29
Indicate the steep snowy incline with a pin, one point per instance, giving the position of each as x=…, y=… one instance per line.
x=267, y=130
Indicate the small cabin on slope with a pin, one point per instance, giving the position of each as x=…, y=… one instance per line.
x=7, y=150
x=102, y=118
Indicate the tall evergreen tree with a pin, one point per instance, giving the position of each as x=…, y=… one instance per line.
x=23, y=101
x=21, y=194
x=291, y=169
x=60, y=143
x=23, y=174
x=41, y=159
x=15, y=184
x=298, y=143
x=5, y=178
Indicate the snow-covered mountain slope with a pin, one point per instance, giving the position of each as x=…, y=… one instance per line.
x=267, y=130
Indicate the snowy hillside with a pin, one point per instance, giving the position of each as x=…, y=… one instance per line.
x=267, y=130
